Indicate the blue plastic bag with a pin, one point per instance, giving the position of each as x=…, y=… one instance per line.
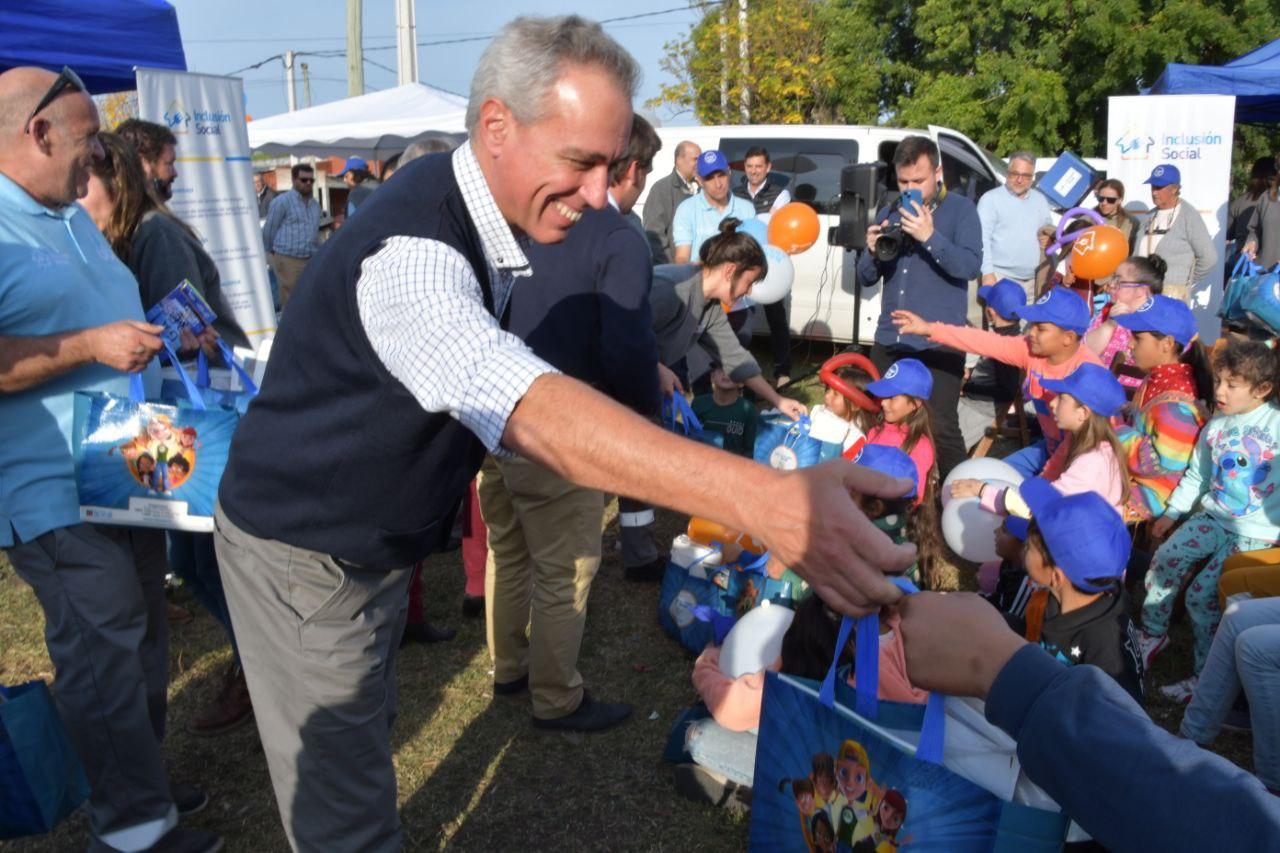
x=678, y=416
x=41, y=778
x=786, y=444
x=1244, y=277
x=1260, y=300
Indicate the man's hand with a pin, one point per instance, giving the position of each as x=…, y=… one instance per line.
x=966, y=488
x=668, y=381
x=1160, y=529
x=911, y=323
x=1045, y=236
x=817, y=529
x=1250, y=250
x=873, y=234
x=918, y=222
x=127, y=345
x=988, y=279
x=793, y=409
x=956, y=643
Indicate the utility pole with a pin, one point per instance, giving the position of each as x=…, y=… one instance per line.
x=306, y=84
x=724, y=63
x=355, y=48
x=744, y=63
x=406, y=43
x=291, y=89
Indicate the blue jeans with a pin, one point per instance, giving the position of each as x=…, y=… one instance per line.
x=731, y=754
x=1030, y=460
x=1245, y=652
x=192, y=558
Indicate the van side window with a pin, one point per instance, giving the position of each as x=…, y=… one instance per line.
x=808, y=168
x=961, y=171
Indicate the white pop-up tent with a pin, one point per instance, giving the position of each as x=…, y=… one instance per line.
x=375, y=126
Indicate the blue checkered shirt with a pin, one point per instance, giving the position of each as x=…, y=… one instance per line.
x=292, y=225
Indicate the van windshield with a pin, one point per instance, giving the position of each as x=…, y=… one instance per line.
x=809, y=169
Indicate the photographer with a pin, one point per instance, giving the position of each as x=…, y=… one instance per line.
x=926, y=254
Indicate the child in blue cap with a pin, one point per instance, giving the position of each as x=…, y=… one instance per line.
x=1078, y=547
x=992, y=384
x=1169, y=406
x=905, y=421
x=1089, y=459
x=1230, y=491
x=1050, y=349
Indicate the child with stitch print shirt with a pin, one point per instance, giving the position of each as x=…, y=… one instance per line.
x=727, y=412
x=1231, y=481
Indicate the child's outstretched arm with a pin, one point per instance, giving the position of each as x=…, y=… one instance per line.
x=1003, y=348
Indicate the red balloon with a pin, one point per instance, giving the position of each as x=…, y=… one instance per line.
x=793, y=227
x=1098, y=252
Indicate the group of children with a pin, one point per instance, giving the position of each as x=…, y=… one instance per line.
x=1104, y=464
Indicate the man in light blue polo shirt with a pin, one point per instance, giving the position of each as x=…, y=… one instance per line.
x=698, y=217
x=71, y=319
x=1012, y=216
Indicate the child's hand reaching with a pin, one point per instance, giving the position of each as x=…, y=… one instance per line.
x=966, y=488
x=1161, y=528
x=910, y=323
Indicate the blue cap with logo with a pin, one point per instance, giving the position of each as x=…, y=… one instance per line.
x=1085, y=535
x=1163, y=175
x=1004, y=297
x=1017, y=527
x=1060, y=307
x=905, y=376
x=1164, y=315
x=353, y=163
x=891, y=461
x=711, y=161
x=1093, y=386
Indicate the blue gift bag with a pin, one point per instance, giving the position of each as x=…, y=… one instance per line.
x=786, y=444
x=41, y=779
x=835, y=769
x=1244, y=277
x=180, y=389
x=678, y=416
x=690, y=599
x=1260, y=300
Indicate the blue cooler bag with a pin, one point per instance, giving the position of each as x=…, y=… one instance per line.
x=41, y=779
x=786, y=444
x=873, y=788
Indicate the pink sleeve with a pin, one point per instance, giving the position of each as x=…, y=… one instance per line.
x=1004, y=348
x=733, y=702
x=992, y=499
x=1095, y=471
x=894, y=684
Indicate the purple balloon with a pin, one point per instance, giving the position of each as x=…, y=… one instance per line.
x=1061, y=239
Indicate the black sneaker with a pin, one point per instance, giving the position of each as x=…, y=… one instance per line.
x=592, y=715
x=473, y=606
x=647, y=573
x=511, y=688
x=425, y=632
x=701, y=785
x=187, y=839
x=188, y=798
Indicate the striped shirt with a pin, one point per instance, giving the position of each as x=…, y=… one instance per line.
x=422, y=308
x=292, y=225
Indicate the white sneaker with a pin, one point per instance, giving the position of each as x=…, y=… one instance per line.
x=1151, y=646
x=1180, y=692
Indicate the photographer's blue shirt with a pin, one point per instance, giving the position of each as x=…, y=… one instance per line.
x=930, y=279
x=57, y=274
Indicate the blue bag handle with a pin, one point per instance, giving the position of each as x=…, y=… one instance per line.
x=193, y=393
x=1245, y=265
x=202, y=369
x=867, y=680
x=677, y=406
x=137, y=392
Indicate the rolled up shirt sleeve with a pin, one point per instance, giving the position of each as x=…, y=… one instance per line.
x=423, y=311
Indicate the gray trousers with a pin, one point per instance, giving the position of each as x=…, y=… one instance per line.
x=635, y=528
x=317, y=639
x=102, y=592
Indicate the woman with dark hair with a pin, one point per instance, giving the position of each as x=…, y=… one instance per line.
x=1261, y=238
x=1110, y=194
x=688, y=303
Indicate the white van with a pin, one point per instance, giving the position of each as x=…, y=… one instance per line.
x=822, y=301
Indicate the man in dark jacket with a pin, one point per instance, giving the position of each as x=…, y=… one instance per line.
x=585, y=311
x=665, y=196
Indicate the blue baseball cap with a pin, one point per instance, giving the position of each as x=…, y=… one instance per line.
x=1017, y=527
x=353, y=163
x=1093, y=385
x=1060, y=307
x=1004, y=297
x=711, y=161
x=891, y=461
x=1163, y=175
x=1162, y=314
x=1085, y=535
x=905, y=376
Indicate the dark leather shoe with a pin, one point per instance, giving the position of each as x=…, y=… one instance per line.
x=229, y=710
x=701, y=785
x=648, y=573
x=473, y=606
x=187, y=798
x=592, y=715
x=425, y=632
x=187, y=839
x=511, y=688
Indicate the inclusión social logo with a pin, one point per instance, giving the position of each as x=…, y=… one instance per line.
x=202, y=122
x=1165, y=146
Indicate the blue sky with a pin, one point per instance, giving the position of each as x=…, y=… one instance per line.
x=221, y=36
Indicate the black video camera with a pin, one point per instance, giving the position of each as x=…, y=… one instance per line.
x=893, y=240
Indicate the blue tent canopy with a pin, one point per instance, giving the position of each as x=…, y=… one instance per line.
x=102, y=40
x=1253, y=78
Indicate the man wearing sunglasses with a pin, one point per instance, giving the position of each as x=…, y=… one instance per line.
x=290, y=232
x=71, y=320
x=1011, y=215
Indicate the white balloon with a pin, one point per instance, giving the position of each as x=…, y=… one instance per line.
x=983, y=468
x=775, y=286
x=970, y=530
x=755, y=641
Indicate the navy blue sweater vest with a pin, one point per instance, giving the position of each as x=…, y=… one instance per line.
x=335, y=455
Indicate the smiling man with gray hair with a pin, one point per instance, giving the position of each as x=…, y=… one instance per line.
x=391, y=375
x=1011, y=217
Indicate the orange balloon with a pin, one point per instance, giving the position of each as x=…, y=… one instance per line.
x=1098, y=252
x=793, y=228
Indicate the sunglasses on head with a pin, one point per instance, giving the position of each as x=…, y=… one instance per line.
x=66, y=79
x=1108, y=199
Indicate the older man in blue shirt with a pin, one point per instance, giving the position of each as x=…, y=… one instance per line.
x=929, y=277
x=71, y=320
x=1012, y=216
